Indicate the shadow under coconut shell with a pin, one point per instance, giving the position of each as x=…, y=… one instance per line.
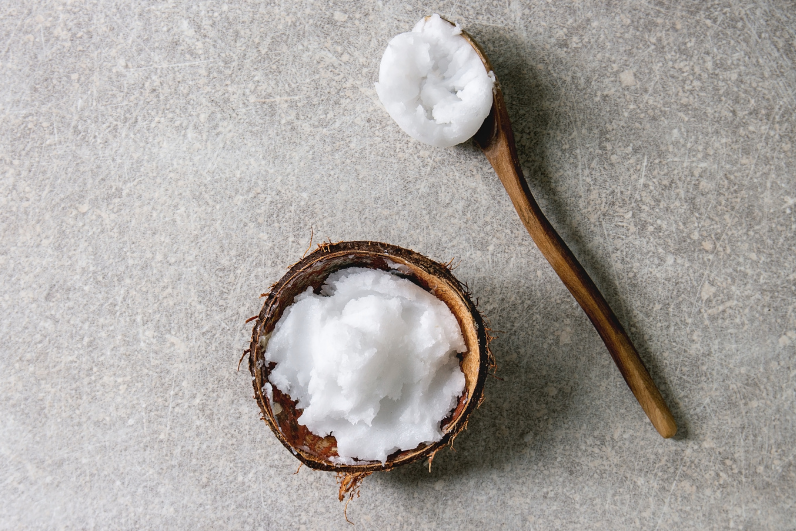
x=528, y=406
x=537, y=390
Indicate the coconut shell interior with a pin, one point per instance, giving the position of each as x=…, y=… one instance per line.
x=283, y=416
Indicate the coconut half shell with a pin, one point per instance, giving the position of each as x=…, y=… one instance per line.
x=282, y=415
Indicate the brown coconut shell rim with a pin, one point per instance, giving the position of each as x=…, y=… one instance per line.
x=313, y=270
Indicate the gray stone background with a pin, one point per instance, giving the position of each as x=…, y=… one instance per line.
x=163, y=163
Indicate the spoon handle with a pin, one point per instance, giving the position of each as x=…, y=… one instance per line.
x=502, y=154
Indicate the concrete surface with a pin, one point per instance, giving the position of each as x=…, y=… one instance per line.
x=163, y=163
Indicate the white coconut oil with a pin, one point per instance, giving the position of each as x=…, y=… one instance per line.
x=434, y=85
x=371, y=360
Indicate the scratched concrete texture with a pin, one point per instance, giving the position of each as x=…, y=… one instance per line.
x=162, y=163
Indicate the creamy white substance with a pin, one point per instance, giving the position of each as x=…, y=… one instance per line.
x=434, y=85
x=371, y=360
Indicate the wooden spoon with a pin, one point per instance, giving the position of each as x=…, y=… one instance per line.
x=496, y=139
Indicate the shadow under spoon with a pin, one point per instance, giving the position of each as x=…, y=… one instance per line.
x=496, y=140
